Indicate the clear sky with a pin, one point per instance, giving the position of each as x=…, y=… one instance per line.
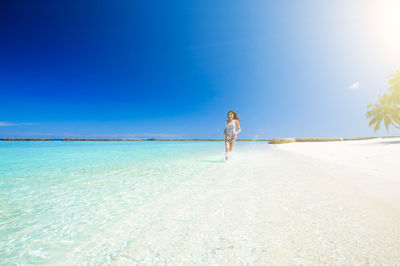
x=173, y=69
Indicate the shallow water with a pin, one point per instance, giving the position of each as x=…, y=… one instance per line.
x=180, y=203
x=56, y=198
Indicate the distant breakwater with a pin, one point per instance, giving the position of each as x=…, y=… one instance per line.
x=270, y=141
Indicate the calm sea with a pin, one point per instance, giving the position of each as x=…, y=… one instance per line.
x=88, y=202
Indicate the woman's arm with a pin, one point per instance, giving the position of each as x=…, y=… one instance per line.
x=238, y=126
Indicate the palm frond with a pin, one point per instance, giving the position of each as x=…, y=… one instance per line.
x=374, y=120
x=396, y=120
x=371, y=113
x=370, y=105
x=378, y=123
x=387, y=121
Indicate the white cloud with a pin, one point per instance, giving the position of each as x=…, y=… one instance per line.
x=8, y=124
x=5, y=124
x=355, y=85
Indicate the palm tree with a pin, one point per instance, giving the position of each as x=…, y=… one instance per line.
x=394, y=81
x=386, y=110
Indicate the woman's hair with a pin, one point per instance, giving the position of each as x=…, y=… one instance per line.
x=235, y=116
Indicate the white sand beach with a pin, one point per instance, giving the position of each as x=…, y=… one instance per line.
x=368, y=165
x=300, y=203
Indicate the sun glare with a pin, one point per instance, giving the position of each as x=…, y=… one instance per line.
x=383, y=29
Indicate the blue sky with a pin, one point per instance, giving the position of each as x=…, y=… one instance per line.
x=172, y=69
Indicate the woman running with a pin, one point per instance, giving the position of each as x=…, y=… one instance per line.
x=230, y=132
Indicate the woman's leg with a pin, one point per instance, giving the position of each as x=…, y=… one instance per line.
x=232, y=144
x=226, y=149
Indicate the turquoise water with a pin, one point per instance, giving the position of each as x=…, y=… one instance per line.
x=76, y=202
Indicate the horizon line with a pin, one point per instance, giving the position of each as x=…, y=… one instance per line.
x=153, y=139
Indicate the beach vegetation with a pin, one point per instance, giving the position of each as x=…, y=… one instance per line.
x=388, y=107
x=394, y=89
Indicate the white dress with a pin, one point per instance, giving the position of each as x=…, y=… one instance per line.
x=230, y=128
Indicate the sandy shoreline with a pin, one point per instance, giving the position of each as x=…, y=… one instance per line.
x=370, y=165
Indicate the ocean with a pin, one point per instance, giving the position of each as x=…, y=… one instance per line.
x=97, y=202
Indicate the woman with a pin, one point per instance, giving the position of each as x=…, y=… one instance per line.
x=230, y=132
